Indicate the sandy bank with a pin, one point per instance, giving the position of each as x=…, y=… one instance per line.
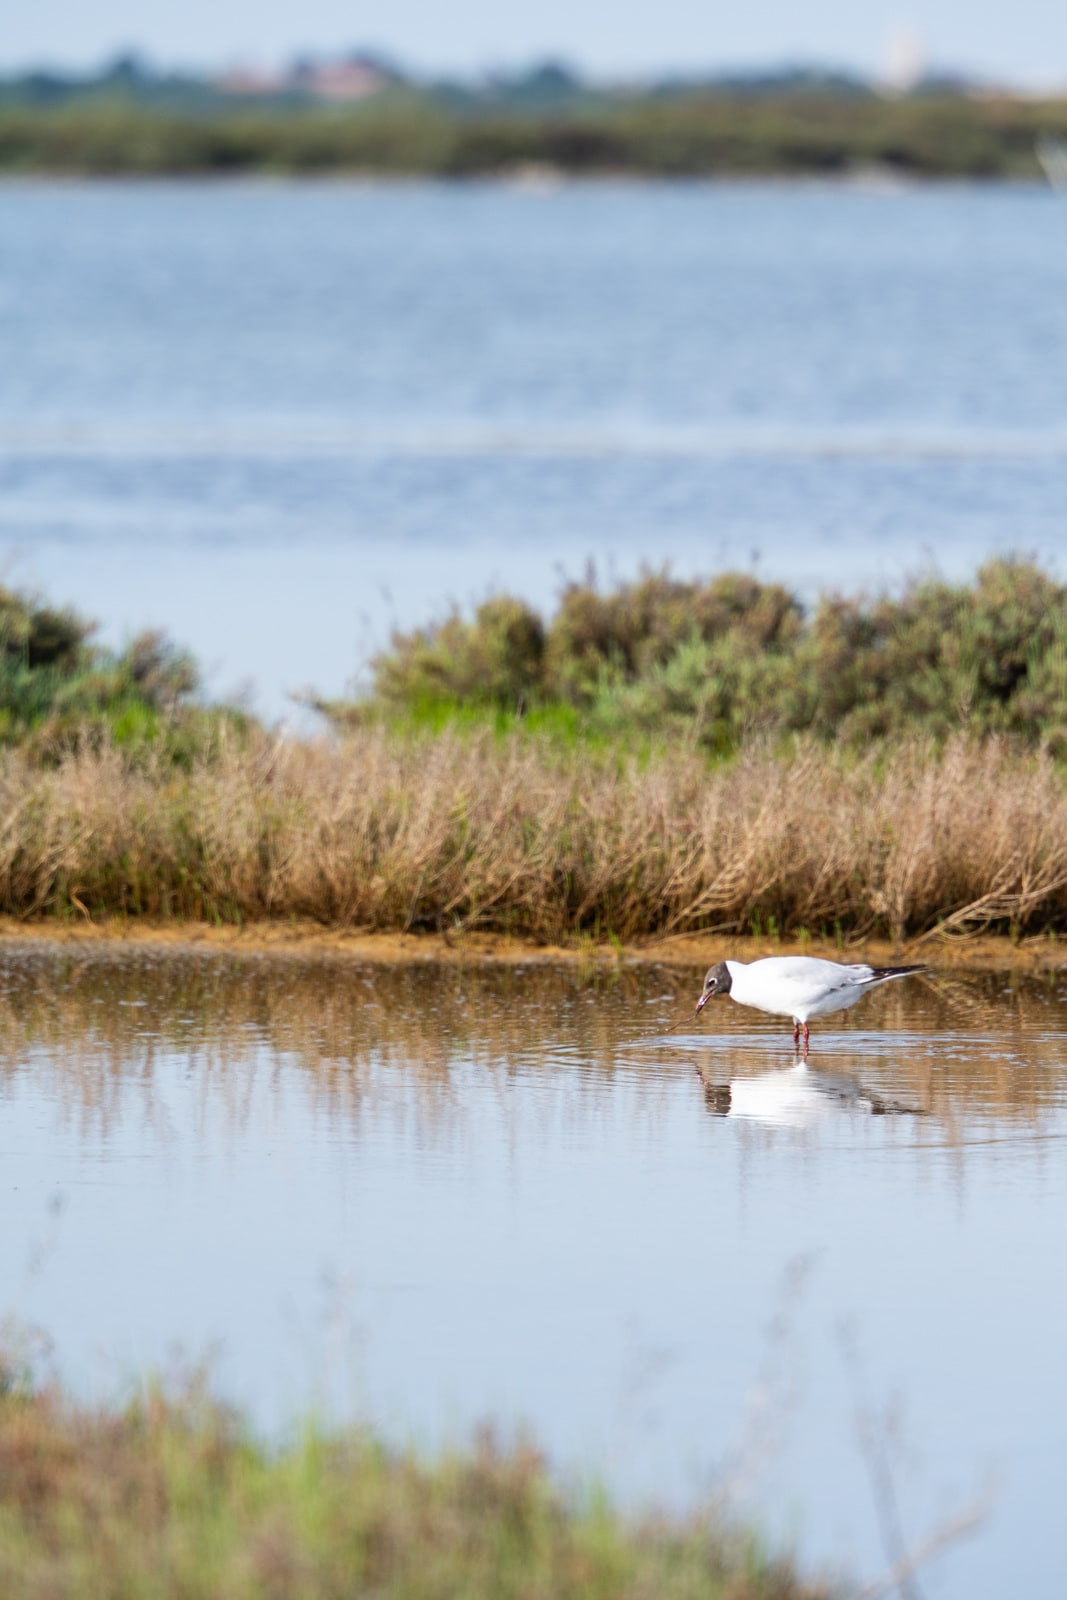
x=981, y=954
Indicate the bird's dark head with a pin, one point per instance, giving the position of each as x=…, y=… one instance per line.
x=716, y=982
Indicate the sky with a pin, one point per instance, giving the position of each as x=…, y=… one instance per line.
x=1024, y=42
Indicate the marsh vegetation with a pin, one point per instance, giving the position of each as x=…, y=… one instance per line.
x=721, y=663
x=172, y=1496
x=467, y=831
x=664, y=758
x=686, y=134
x=61, y=690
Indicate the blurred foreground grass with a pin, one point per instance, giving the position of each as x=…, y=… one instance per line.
x=172, y=1498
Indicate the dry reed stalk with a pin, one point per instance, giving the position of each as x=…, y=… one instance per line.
x=400, y=833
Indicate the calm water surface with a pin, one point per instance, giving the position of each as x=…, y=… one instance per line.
x=434, y=1196
x=278, y=418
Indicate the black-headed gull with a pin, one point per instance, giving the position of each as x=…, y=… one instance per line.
x=800, y=987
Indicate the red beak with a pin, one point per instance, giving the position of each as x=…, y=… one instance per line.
x=702, y=1002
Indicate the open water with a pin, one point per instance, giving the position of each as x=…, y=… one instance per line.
x=431, y=1196
x=279, y=419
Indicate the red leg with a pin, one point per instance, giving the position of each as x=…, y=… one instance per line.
x=805, y=1041
x=796, y=1033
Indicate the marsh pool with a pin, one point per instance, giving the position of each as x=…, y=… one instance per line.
x=437, y=1195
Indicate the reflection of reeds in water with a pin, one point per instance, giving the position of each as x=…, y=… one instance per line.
x=386, y=832
x=357, y=1036
x=397, y=1040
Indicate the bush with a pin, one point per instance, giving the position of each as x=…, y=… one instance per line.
x=722, y=660
x=59, y=690
x=495, y=660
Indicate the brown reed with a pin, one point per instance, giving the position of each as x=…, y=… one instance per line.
x=389, y=832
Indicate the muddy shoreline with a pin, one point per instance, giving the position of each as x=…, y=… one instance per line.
x=984, y=953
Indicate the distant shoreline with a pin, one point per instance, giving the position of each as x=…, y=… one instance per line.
x=691, y=136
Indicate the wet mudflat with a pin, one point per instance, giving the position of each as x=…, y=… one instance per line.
x=550, y=1198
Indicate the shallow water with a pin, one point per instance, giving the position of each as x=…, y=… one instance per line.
x=440, y=1195
x=277, y=418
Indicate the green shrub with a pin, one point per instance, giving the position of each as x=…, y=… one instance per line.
x=720, y=661
x=496, y=660
x=60, y=690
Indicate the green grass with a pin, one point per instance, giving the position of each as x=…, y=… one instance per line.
x=551, y=726
x=172, y=1498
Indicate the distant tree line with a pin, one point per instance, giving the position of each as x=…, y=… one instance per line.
x=686, y=132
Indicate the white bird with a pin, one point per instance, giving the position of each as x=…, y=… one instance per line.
x=800, y=987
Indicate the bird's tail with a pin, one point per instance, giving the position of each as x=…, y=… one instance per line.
x=883, y=974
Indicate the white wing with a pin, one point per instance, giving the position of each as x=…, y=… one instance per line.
x=798, y=986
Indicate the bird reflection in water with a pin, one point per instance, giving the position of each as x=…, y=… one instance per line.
x=797, y=1097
